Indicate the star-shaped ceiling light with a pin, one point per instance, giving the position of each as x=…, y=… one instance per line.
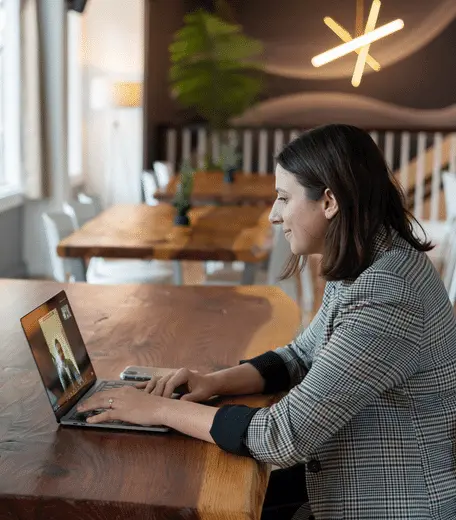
x=361, y=43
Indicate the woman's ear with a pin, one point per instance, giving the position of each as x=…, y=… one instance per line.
x=330, y=204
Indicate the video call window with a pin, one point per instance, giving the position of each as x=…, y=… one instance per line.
x=59, y=348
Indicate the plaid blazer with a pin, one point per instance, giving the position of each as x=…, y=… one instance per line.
x=372, y=405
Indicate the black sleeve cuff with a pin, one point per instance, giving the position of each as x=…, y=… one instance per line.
x=273, y=370
x=229, y=428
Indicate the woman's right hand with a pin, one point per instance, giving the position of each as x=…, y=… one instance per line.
x=200, y=387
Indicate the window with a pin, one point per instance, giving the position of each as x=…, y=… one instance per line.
x=74, y=97
x=10, y=164
x=2, y=76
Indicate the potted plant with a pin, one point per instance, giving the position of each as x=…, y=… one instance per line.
x=182, y=199
x=213, y=70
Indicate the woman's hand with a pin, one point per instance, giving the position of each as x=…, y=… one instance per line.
x=130, y=405
x=200, y=387
x=125, y=404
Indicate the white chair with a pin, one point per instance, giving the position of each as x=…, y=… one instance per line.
x=163, y=172
x=437, y=230
x=212, y=267
x=80, y=212
x=445, y=253
x=83, y=198
x=449, y=188
x=149, y=186
x=279, y=255
x=449, y=265
x=58, y=225
x=452, y=289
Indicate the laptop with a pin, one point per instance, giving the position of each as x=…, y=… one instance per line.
x=65, y=366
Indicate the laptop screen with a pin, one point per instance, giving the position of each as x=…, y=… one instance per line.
x=59, y=352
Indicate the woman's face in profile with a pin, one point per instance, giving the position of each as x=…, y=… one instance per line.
x=304, y=221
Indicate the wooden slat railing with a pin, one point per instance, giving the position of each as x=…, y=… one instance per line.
x=417, y=157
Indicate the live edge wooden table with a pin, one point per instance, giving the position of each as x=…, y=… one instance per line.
x=224, y=233
x=209, y=187
x=52, y=473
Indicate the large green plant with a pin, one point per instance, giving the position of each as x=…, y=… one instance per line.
x=213, y=68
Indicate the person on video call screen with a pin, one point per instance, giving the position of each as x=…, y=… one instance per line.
x=66, y=369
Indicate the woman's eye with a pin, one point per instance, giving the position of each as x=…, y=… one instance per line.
x=283, y=199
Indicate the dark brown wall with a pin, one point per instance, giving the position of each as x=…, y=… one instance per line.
x=418, y=90
x=162, y=19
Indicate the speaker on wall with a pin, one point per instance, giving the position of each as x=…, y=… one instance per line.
x=77, y=5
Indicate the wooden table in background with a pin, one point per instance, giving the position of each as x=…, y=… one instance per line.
x=209, y=187
x=52, y=472
x=224, y=233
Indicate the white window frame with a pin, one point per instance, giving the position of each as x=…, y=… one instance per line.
x=11, y=191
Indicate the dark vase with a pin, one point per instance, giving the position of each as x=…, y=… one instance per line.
x=228, y=175
x=182, y=219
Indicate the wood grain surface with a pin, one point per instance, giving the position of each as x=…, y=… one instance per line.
x=225, y=233
x=210, y=187
x=49, y=472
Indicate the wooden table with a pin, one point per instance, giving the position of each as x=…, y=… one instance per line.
x=224, y=233
x=49, y=472
x=209, y=187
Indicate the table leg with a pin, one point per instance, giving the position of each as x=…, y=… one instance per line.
x=248, y=275
x=177, y=272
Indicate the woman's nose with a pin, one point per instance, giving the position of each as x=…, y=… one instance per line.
x=275, y=218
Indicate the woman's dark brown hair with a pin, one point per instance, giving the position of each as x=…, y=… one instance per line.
x=347, y=161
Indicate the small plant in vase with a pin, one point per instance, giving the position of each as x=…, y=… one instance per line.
x=183, y=195
x=229, y=161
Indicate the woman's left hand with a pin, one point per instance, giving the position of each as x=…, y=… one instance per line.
x=126, y=404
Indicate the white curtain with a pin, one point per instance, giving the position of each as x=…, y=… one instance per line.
x=36, y=185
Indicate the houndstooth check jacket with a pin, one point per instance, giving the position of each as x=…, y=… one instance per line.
x=372, y=405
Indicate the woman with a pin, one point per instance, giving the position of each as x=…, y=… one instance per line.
x=371, y=409
x=66, y=369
